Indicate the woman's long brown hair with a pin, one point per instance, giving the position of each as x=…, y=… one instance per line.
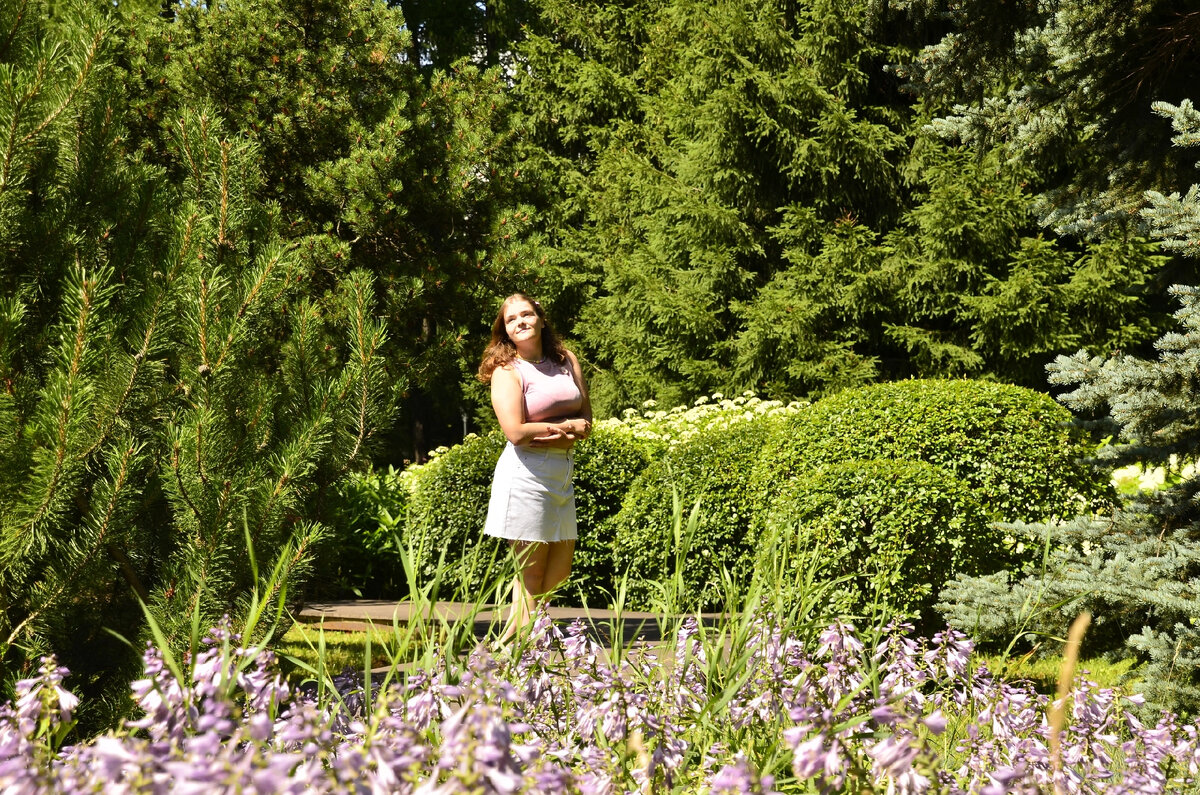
x=501, y=350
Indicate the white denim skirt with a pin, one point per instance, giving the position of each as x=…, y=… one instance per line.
x=532, y=496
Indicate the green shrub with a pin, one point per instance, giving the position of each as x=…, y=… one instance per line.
x=1014, y=446
x=449, y=500
x=360, y=555
x=712, y=467
x=606, y=465
x=446, y=512
x=896, y=530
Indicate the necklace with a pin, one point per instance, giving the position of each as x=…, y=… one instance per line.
x=531, y=361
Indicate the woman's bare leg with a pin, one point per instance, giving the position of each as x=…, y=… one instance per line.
x=558, y=565
x=531, y=559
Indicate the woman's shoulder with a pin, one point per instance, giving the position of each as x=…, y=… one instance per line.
x=507, y=371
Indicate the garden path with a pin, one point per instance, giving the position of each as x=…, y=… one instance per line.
x=362, y=614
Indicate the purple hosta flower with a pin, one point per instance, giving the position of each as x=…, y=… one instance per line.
x=739, y=777
x=395, y=753
x=475, y=754
x=161, y=698
x=599, y=773
x=31, y=731
x=1089, y=739
x=425, y=704
x=1010, y=781
x=775, y=680
x=1154, y=752
x=818, y=757
x=950, y=655
x=893, y=758
x=688, y=682
x=904, y=670
x=843, y=666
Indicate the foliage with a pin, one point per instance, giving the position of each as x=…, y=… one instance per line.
x=1065, y=89
x=175, y=386
x=404, y=167
x=1014, y=447
x=846, y=711
x=712, y=469
x=367, y=514
x=967, y=286
x=737, y=196
x=896, y=531
x=1138, y=569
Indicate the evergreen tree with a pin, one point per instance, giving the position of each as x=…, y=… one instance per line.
x=179, y=380
x=1139, y=570
x=362, y=140
x=1065, y=88
x=741, y=198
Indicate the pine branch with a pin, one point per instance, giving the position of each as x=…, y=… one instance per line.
x=87, y=294
x=367, y=340
x=251, y=299
x=15, y=125
x=139, y=357
x=89, y=63
x=6, y=42
x=69, y=581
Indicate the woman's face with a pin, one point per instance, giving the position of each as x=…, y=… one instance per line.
x=521, y=322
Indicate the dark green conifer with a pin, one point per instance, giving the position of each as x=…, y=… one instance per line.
x=179, y=381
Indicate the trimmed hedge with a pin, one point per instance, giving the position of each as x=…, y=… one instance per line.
x=606, y=465
x=898, y=530
x=713, y=467
x=446, y=512
x=1014, y=446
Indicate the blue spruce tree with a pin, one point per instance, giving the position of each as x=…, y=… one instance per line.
x=1138, y=570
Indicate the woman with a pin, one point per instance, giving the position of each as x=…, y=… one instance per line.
x=541, y=401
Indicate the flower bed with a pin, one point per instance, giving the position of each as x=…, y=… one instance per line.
x=843, y=712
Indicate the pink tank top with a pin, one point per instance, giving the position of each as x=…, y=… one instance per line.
x=550, y=390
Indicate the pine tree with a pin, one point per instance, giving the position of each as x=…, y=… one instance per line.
x=180, y=382
x=1138, y=571
x=403, y=161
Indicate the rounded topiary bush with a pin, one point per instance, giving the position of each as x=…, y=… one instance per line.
x=606, y=465
x=712, y=467
x=448, y=507
x=896, y=531
x=1015, y=447
x=446, y=511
